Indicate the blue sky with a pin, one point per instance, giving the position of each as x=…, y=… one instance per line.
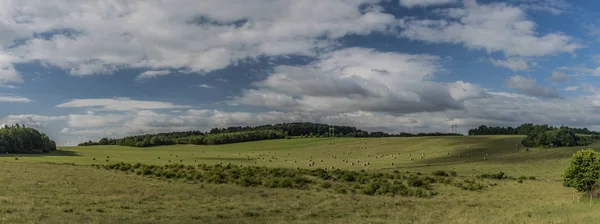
x=85, y=69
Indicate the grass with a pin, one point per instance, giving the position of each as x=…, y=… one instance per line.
x=34, y=190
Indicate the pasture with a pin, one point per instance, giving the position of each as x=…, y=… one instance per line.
x=43, y=188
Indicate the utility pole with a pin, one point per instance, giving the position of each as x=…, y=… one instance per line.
x=331, y=134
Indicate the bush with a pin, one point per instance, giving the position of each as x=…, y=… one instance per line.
x=325, y=185
x=498, y=176
x=531, y=178
x=584, y=171
x=522, y=178
x=453, y=173
x=340, y=190
x=440, y=173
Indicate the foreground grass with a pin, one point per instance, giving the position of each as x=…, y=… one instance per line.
x=53, y=193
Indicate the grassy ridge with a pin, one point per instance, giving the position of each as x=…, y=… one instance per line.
x=441, y=153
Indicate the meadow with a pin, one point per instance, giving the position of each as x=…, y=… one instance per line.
x=62, y=186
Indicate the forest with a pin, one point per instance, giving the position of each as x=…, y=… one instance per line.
x=242, y=134
x=525, y=129
x=20, y=139
x=543, y=135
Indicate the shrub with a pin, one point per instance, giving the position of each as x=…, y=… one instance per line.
x=453, y=173
x=584, y=171
x=531, y=178
x=340, y=189
x=522, y=178
x=498, y=176
x=415, y=181
x=440, y=173
x=325, y=185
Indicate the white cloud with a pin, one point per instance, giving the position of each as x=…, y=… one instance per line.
x=424, y=3
x=91, y=120
x=558, y=77
x=14, y=99
x=31, y=120
x=530, y=87
x=9, y=86
x=220, y=80
x=89, y=37
x=118, y=104
x=571, y=88
x=153, y=74
x=555, y=7
x=495, y=27
x=9, y=74
x=596, y=71
x=361, y=79
x=514, y=64
x=496, y=108
x=205, y=86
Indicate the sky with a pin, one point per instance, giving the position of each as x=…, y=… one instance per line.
x=81, y=70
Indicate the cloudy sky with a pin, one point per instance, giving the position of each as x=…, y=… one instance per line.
x=86, y=69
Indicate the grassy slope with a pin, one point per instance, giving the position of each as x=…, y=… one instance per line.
x=34, y=192
x=440, y=153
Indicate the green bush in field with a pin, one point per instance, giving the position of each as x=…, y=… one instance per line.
x=325, y=185
x=440, y=173
x=500, y=175
x=583, y=173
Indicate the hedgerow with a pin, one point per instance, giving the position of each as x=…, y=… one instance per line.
x=337, y=181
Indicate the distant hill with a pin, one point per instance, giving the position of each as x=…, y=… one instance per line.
x=242, y=134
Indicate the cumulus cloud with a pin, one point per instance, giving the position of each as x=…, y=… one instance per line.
x=31, y=120
x=361, y=79
x=495, y=27
x=9, y=74
x=555, y=7
x=118, y=104
x=514, y=64
x=530, y=87
x=496, y=108
x=205, y=86
x=98, y=37
x=596, y=71
x=153, y=74
x=424, y=3
x=571, y=88
x=558, y=77
x=14, y=99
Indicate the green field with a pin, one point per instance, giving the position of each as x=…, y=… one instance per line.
x=40, y=188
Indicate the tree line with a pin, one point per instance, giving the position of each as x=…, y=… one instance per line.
x=525, y=129
x=543, y=135
x=20, y=139
x=149, y=140
x=241, y=134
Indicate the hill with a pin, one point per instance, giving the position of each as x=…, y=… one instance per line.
x=228, y=135
x=99, y=195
